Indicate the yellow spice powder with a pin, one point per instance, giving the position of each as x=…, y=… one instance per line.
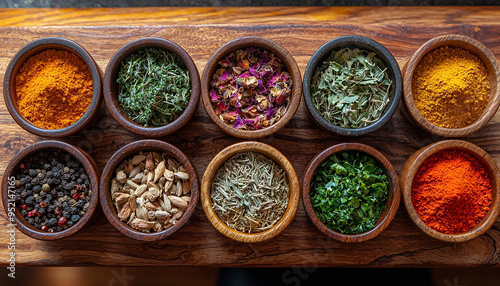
x=450, y=87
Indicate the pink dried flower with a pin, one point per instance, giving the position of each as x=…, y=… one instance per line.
x=247, y=88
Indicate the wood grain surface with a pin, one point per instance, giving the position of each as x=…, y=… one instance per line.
x=301, y=244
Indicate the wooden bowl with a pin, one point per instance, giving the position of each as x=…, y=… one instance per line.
x=352, y=42
x=265, y=44
x=13, y=167
x=108, y=173
x=393, y=198
x=111, y=87
x=35, y=47
x=213, y=167
x=481, y=51
x=414, y=162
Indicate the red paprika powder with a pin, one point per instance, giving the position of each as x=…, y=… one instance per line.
x=451, y=191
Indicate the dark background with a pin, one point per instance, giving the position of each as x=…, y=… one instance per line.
x=201, y=3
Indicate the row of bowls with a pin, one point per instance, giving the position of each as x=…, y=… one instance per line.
x=110, y=86
x=101, y=185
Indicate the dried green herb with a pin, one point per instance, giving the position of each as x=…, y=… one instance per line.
x=351, y=88
x=154, y=87
x=250, y=192
x=349, y=192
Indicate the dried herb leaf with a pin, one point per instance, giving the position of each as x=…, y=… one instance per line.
x=351, y=88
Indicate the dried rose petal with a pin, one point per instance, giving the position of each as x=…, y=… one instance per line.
x=248, y=87
x=213, y=96
x=229, y=116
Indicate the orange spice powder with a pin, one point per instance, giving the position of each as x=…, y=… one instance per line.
x=452, y=191
x=54, y=89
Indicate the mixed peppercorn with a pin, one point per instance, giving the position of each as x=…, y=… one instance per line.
x=52, y=190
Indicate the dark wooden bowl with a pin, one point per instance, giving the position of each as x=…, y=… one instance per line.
x=393, y=198
x=213, y=167
x=111, y=87
x=35, y=47
x=481, y=51
x=414, y=162
x=265, y=44
x=352, y=42
x=108, y=173
x=13, y=167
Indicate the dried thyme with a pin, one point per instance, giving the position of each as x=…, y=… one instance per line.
x=351, y=88
x=250, y=192
x=154, y=87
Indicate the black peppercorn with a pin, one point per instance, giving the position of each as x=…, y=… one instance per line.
x=32, y=173
x=29, y=200
x=44, y=186
x=75, y=218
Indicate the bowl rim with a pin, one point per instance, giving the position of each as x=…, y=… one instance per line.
x=39, y=45
x=417, y=159
x=270, y=46
x=408, y=71
x=392, y=206
x=270, y=152
x=111, y=96
x=389, y=61
x=90, y=167
x=130, y=150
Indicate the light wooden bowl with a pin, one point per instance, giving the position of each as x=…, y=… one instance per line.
x=364, y=43
x=213, y=167
x=108, y=174
x=88, y=164
x=110, y=87
x=414, y=162
x=35, y=47
x=393, y=198
x=270, y=46
x=482, y=52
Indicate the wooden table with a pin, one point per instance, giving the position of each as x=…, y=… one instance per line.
x=200, y=31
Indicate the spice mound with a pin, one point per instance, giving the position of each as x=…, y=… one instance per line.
x=54, y=89
x=151, y=191
x=251, y=89
x=450, y=87
x=52, y=190
x=349, y=191
x=351, y=88
x=250, y=192
x=154, y=87
x=451, y=192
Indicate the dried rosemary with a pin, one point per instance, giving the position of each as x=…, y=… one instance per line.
x=250, y=192
x=351, y=88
